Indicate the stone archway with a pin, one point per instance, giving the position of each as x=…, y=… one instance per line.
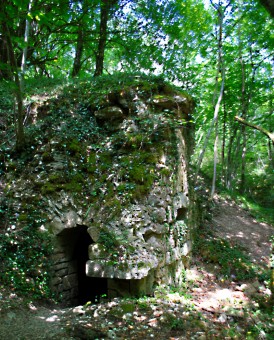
x=69, y=279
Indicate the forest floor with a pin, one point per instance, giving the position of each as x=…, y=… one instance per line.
x=210, y=305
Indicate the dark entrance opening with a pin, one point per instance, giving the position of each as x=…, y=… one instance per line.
x=181, y=214
x=69, y=278
x=89, y=288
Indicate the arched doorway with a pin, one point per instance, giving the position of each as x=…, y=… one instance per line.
x=69, y=269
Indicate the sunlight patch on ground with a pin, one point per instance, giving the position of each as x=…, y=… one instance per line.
x=221, y=299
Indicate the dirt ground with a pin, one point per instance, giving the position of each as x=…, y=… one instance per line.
x=215, y=308
x=237, y=225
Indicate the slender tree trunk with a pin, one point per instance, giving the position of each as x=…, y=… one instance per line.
x=270, y=154
x=79, y=50
x=230, y=162
x=214, y=123
x=216, y=113
x=246, y=99
x=19, y=114
x=224, y=136
x=215, y=160
x=221, y=70
x=106, y=6
x=25, y=49
x=243, y=129
x=78, y=54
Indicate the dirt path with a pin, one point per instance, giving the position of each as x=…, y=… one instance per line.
x=215, y=309
x=237, y=225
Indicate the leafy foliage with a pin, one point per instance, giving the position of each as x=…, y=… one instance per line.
x=24, y=255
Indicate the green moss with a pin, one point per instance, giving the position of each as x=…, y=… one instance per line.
x=137, y=173
x=128, y=307
x=91, y=158
x=141, y=265
x=105, y=157
x=78, y=177
x=73, y=187
x=74, y=147
x=57, y=178
x=113, y=204
x=139, y=192
x=47, y=157
x=90, y=169
x=49, y=188
x=136, y=140
x=11, y=166
x=142, y=175
x=146, y=157
x=165, y=171
x=151, y=158
x=22, y=218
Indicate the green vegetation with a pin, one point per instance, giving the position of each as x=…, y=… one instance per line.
x=82, y=56
x=234, y=263
x=24, y=255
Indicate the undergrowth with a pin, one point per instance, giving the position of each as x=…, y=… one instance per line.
x=233, y=261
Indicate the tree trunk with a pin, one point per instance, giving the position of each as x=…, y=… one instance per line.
x=19, y=114
x=220, y=69
x=81, y=33
x=25, y=49
x=224, y=128
x=230, y=162
x=78, y=54
x=243, y=129
x=106, y=6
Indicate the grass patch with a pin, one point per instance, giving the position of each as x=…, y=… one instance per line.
x=233, y=261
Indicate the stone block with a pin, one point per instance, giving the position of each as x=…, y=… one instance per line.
x=61, y=265
x=62, y=272
x=186, y=248
x=159, y=215
x=180, y=201
x=56, y=226
x=118, y=288
x=138, y=287
x=59, y=258
x=155, y=241
x=70, y=219
x=70, y=281
x=94, y=233
x=109, y=113
x=55, y=281
x=99, y=268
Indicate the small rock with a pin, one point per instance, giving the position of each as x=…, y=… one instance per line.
x=241, y=288
x=222, y=318
x=79, y=310
x=153, y=322
x=127, y=316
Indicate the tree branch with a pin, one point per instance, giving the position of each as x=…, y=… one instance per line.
x=269, y=134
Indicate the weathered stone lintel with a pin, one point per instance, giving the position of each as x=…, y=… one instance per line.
x=127, y=271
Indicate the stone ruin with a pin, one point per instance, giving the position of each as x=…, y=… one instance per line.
x=113, y=178
x=146, y=242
